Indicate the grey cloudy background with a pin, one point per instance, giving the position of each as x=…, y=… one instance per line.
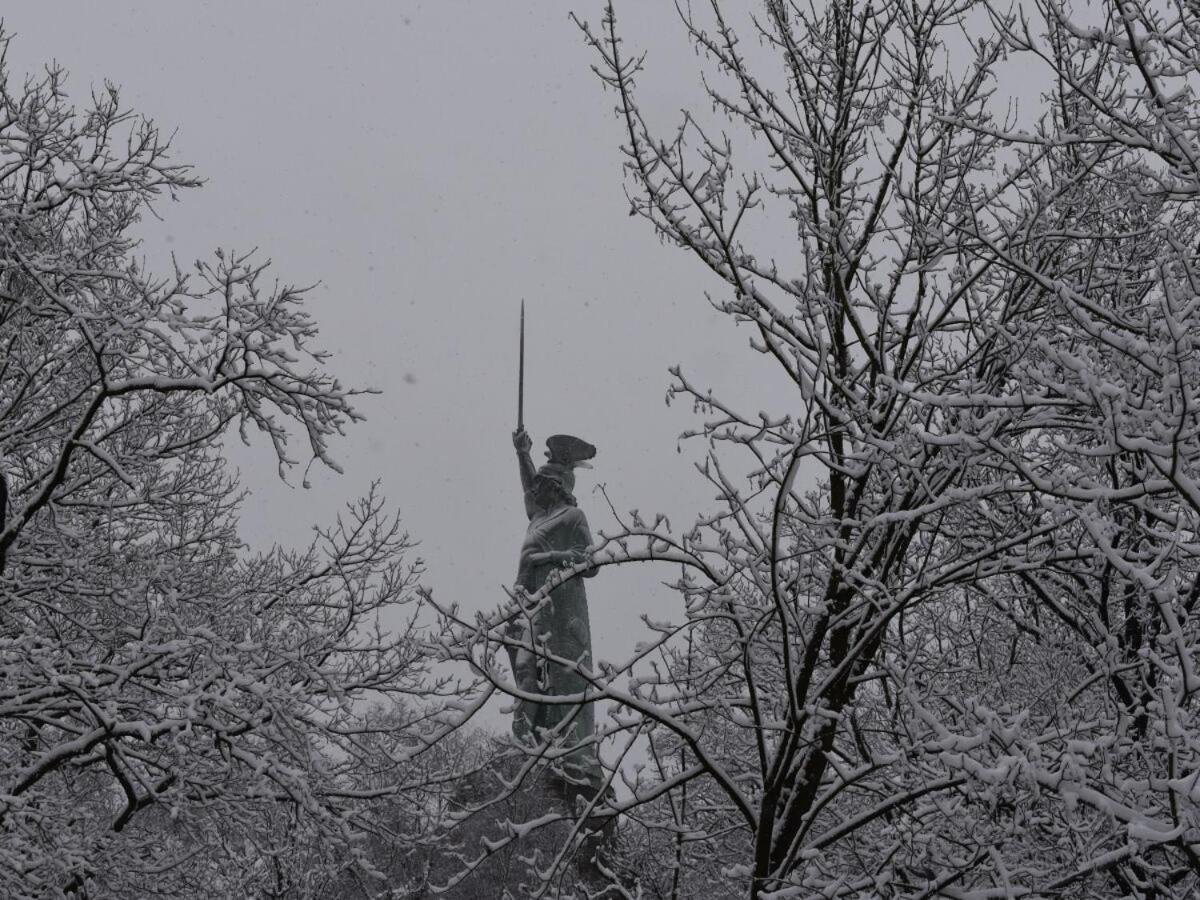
x=430, y=164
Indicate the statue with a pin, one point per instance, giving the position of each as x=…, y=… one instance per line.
x=557, y=536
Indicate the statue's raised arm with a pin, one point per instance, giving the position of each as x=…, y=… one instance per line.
x=522, y=442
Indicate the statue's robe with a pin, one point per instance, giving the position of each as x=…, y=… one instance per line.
x=563, y=625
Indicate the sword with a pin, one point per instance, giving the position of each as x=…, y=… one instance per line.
x=521, y=376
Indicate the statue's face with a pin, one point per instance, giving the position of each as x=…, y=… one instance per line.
x=545, y=491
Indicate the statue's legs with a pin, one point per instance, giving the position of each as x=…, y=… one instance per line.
x=525, y=715
x=567, y=636
x=573, y=641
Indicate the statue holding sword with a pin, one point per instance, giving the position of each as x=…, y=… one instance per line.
x=557, y=537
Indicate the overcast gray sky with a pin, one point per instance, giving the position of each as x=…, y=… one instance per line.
x=431, y=163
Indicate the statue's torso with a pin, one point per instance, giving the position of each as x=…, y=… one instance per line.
x=565, y=618
x=563, y=529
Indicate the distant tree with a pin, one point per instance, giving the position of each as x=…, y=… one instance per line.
x=178, y=717
x=940, y=637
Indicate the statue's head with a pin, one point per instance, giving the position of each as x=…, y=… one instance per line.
x=554, y=482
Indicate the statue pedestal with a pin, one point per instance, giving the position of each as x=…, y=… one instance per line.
x=491, y=809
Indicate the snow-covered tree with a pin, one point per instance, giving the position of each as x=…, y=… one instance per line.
x=940, y=637
x=178, y=716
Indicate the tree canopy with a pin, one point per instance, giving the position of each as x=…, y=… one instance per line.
x=178, y=716
x=939, y=636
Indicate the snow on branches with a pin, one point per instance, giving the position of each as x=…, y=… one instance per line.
x=177, y=716
x=940, y=636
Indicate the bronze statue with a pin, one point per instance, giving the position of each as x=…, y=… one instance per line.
x=557, y=536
